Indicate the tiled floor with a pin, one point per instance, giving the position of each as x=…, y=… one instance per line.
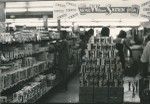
x=72, y=94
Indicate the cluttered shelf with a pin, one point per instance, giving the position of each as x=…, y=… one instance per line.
x=19, y=71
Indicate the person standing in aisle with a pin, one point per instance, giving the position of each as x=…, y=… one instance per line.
x=145, y=58
x=121, y=48
x=63, y=59
x=145, y=66
x=91, y=36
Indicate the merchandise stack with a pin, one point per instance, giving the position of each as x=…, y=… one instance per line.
x=101, y=77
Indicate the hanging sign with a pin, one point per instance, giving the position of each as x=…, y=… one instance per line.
x=108, y=9
x=145, y=10
x=95, y=9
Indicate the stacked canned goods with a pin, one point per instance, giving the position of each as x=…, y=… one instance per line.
x=101, y=67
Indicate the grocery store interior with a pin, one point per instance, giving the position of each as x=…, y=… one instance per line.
x=75, y=51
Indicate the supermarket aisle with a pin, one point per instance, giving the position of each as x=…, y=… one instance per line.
x=70, y=96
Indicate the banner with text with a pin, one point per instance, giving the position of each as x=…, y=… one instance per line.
x=99, y=9
x=94, y=10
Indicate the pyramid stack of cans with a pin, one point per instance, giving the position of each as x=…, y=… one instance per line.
x=101, y=66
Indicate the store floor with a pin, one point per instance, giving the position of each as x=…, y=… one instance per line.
x=70, y=96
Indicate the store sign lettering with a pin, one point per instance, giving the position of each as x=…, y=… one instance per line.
x=59, y=11
x=146, y=3
x=71, y=10
x=108, y=9
x=71, y=4
x=62, y=16
x=60, y=5
x=74, y=15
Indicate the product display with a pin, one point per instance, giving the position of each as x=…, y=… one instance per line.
x=51, y=79
x=102, y=70
x=101, y=65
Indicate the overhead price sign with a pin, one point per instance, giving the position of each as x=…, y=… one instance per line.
x=65, y=10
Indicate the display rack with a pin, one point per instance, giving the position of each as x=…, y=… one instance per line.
x=101, y=78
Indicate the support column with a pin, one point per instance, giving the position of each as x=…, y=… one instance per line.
x=45, y=21
x=2, y=16
x=2, y=29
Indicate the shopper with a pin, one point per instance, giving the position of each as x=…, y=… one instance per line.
x=145, y=66
x=63, y=59
x=105, y=32
x=82, y=44
x=91, y=36
x=120, y=48
x=145, y=58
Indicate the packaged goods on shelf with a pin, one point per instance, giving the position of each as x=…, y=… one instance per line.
x=4, y=69
x=36, y=47
x=42, y=35
x=42, y=57
x=55, y=35
x=32, y=91
x=24, y=35
x=22, y=74
x=51, y=57
x=3, y=99
x=16, y=76
x=51, y=78
x=6, y=37
x=28, y=61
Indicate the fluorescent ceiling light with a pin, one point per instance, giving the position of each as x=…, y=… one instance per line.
x=16, y=10
x=40, y=9
x=15, y=4
x=41, y=3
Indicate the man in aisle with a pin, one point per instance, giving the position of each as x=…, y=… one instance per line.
x=63, y=59
x=145, y=58
x=145, y=71
x=105, y=32
x=122, y=49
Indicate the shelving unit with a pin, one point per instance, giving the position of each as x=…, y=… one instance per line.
x=34, y=58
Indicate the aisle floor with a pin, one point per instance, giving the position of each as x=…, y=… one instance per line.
x=70, y=96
